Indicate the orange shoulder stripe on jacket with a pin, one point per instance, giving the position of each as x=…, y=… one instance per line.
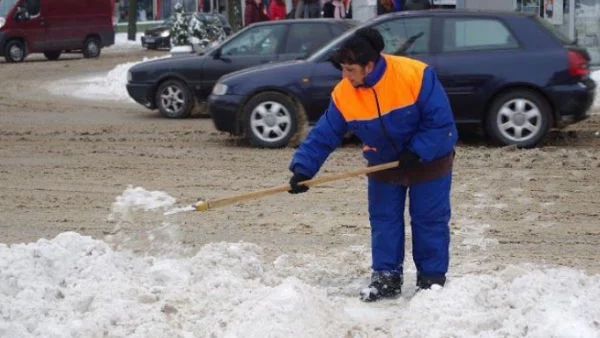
x=399, y=87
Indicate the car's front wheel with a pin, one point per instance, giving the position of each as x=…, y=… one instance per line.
x=521, y=117
x=15, y=51
x=271, y=120
x=174, y=99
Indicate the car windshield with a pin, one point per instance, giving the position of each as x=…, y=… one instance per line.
x=326, y=50
x=6, y=6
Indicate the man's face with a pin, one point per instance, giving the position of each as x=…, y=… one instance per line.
x=356, y=73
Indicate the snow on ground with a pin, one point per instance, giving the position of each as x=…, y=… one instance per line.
x=77, y=286
x=121, y=42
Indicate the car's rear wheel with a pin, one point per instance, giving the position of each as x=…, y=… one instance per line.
x=52, y=55
x=272, y=119
x=91, y=47
x=15, y=51
x=521, y=117
x=174, y=99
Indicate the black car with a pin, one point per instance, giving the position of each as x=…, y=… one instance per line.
x=173, y=85
x=160, y=36
x=512, y=74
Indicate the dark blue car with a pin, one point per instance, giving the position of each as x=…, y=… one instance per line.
x=512, y=74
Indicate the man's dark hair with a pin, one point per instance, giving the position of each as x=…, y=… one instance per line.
x=361, y=48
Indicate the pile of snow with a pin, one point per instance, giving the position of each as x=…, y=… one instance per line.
x=122, y=43
x=105, y=87
x=77, y=286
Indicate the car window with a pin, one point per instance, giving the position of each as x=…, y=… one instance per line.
x=33, y=7
x=306, y=38
x=259, y=40
x=469, y=34
x=406, y=36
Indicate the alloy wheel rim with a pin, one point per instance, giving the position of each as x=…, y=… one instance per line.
x=172, y=99
x=93, y=48
x=16, y=52
x=519, y=120
x=270, y=121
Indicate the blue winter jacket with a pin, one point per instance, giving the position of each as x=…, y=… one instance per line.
x=402, y=94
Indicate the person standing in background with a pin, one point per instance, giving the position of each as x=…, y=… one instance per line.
x=277, y=10
x=254, y=12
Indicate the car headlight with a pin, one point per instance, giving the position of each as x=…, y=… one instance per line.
x=220, y=89
x=128, y=76
x=165, y=34
x=2, y=21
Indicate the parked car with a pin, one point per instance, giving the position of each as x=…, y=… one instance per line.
x=510, y=73
x=173, y=85
x=33, y=26
x=160, y=36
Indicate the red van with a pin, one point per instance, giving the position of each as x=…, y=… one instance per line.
x=55, y=26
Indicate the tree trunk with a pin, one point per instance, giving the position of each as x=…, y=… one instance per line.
x=131, y=23
x=234, y=14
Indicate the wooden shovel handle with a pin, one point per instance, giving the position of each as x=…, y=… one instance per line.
x=282, y=188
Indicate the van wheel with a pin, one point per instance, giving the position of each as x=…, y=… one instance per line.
x=52, y=55
x=174, y=99
x=91, y=47
x=519, y=117
x=271, y=119
x=14, y=51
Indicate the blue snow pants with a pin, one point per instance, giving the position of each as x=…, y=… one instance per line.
x=429, y=209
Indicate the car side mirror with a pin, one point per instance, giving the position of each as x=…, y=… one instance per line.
x=217, y=54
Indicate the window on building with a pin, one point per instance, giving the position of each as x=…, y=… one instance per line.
x=261, y=40
x=305, y=38
x=406, y=36
x=468, y=34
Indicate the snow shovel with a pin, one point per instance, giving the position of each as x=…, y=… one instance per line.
x=206, y=205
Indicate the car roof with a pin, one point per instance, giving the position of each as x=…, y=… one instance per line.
x=290, y=21
x=453, y=13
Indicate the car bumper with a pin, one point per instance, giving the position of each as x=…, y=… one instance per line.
x=573, y=102
x=155, y=42
x=223, y=110
x=141, y=93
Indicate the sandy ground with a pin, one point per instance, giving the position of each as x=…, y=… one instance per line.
x=64, y=161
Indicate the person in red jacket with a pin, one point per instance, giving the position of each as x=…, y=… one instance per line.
x=277, y=10
x=254, y=12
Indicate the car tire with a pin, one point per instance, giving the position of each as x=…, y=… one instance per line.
x=91, y=47
x=519, y=117
x=272, y=120
x=174, y=99
x=52, y=55
x=14, y=51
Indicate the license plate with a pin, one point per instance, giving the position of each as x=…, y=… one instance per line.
x=149, y=40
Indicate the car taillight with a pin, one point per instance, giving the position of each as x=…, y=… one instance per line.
x=578, y=65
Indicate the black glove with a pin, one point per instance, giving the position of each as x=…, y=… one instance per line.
x=408, y=160
x=297, y=188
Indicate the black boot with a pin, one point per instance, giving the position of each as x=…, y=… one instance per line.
x=384, y=284
x=425, y=282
